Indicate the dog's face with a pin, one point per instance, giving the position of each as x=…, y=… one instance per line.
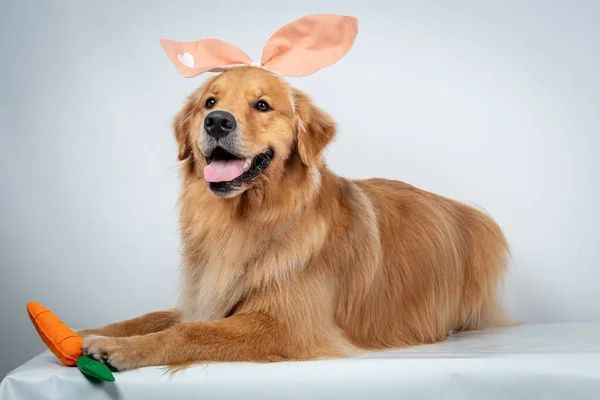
x=245, y=125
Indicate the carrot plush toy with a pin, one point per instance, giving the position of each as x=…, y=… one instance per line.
x=65, y=343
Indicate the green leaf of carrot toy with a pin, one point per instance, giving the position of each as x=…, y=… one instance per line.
x=95, y=369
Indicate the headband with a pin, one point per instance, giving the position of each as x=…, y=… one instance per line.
x=299, y=48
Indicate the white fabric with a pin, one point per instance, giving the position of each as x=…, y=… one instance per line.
x=554, y=361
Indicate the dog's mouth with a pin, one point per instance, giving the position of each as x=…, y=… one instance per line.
x=226, y=172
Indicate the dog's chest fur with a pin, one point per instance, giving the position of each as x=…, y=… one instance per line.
x=225, y=259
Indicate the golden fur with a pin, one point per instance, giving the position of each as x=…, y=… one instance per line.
x=302, y=264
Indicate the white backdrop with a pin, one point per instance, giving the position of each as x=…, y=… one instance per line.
x=492, y=103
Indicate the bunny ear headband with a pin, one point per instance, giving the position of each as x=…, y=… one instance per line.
x=299, y=48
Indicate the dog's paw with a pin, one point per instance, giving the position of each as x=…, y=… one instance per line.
x=119, y=353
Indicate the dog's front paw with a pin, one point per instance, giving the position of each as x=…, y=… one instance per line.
x=120, y=353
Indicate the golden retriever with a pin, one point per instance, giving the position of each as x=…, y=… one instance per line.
x=284, y=260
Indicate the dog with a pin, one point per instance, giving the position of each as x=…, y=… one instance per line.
x=284, y=260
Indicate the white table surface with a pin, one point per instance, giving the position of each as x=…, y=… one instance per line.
x=552, y=361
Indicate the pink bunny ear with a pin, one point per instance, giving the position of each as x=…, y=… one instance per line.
x=309, y=44
x=194, y=58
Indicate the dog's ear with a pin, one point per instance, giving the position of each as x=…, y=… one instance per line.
x=316, y=129
x=181, y=126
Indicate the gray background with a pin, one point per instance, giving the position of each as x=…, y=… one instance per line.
x=492, y=103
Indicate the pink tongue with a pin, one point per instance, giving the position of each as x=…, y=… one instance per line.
x=223, y=171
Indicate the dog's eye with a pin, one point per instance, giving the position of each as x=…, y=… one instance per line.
x=210, y=102
x=262, y=106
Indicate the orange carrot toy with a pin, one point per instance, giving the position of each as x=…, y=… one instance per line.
x=65, y=343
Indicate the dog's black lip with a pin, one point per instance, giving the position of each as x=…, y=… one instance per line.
x=259, y=163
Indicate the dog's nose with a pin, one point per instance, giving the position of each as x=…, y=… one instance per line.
x=219, y=124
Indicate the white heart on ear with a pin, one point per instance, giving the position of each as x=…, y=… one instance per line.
x=186, y=59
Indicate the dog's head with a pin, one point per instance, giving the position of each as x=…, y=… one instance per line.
x=246, y=128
